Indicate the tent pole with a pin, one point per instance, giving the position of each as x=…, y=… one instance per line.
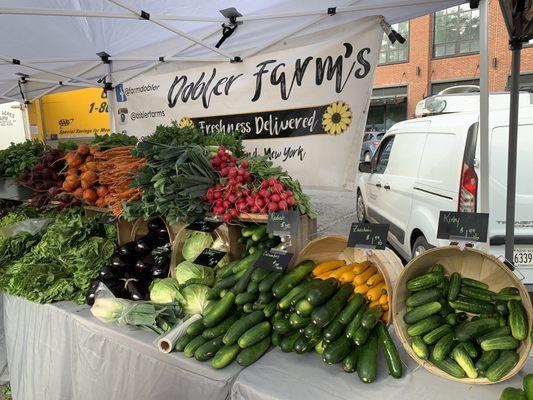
x=110, y=91
x=484, y=108
x=516, y=48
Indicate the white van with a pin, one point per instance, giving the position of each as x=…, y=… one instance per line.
x=426, y=165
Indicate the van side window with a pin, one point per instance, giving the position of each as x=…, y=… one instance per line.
x=384, y=155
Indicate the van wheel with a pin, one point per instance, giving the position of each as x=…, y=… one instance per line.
x=361, y=212
x=368, y=156
x=419, y=246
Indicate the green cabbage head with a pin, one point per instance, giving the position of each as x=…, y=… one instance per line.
x=163, y=291
x=189, y=273
x=195, y=244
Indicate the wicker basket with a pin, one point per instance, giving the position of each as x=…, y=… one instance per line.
x=123, y=227
x=333, y=247
x=140, y=229
x=470, y=263
x=177, y=245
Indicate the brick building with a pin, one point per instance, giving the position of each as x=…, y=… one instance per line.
x=441, y=50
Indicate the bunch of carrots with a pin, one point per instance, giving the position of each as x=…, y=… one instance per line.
x=365, y=278
x=117, y=169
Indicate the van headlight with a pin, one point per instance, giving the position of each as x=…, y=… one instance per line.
x=435, y=105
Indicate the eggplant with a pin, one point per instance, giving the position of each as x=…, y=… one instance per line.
x=144, y=265
x=118, y=262
x=107, y=273
x=143, y=245
x=89, y=299
x=135, y=289
x=127, y=249
x=159, y=272
x=154, y=225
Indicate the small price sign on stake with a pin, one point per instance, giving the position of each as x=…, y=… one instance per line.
x=463, y=226
x=274, y=261
x=209, y=257
x=201, y=225
x=283, y=223
x=368, y=236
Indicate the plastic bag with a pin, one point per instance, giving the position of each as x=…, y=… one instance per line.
x=166, y=343
x=31, y=226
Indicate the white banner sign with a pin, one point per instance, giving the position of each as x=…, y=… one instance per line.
x=304, y=107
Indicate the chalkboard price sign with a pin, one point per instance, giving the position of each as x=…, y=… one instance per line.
x=283, y=223
x=368, y=236
x=274, y=261
x=201, y=225
x=463, y=226
x=210, y=257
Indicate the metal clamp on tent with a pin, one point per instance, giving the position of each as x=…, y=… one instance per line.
x=391, y=33
x=228, y=28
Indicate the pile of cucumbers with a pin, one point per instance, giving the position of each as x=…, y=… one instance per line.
x=511, y=393
x=255, y=239
x=326, y=316
x=462, y=327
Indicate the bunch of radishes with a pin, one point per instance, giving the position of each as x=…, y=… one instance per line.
x=238, y=195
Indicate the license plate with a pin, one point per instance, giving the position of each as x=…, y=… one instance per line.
x=523, y=257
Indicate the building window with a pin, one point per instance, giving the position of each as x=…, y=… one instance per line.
x=456, y=31
x=526, y=83
x=437, y=87
x=397, y=52
x=387, y=107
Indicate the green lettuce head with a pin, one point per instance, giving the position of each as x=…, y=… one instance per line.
x=194, y=299
x=164, y=291
x=189, y=273
x=195, y=244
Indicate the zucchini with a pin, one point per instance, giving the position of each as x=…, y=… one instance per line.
x=477, y=293
x=312, y=331
x=219, y=329
x=291, y=279
x=191, y=347
x=298, y=322
x=285, y=302
x=510, y=393
x=390, y=352
x=334, y=330
x=367, y=363
x=421, y=312
x=243, y=281
x=287, y=343
x=182, y=341
x=220, y=310
x=207, y=350
x=266, y=284
x=443, y=347
x=500, y=343
x=449, y=366
x=486, y=360
x=227, y=282
x=225, y=356
x=196, y=328
x=501, y=331
x=325, y=313
x=259, y=274
x=518, y=320
x=355, y=323
x=433, y=336
x=303, y=308
x=351, y=308
x=461, y=357
x=474, y=283
x=425, y=281
x=420, y=347
x=254, y=334
x=253, y=353
x=423, y=296
x=245, y=297
x=528, y=386
x=361, y=335
x=253, y=287
x=304, y=345
x=425, y=326
x=473, y=329
x=349, y=364
x=455, y=286
x=502, y=366
x=242, y=325
x=371, y=317
x=472, y=306
x=322, y=292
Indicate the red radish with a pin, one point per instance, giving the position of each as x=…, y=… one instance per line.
x=250, y=201
x=232, y=198
x=282, y=205
x=246, y=192
x=273, y=207
x=278, y=188
x=254, y=209
x=259, y=203
x=217, y=195
x=244, y=164
x=288, y=193
x=272, y=182
x=241, y=171
x=219, y=203
x=263, y=211
x=227, y=217
x=291, y=201
x=234, y=213
x=264, y=184
x=275, y=198
x=283, y=196
x=226, y=204
x=232, y=173
x=224, y=172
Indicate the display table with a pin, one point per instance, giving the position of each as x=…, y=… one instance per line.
x=285, y=376
x=61, y=352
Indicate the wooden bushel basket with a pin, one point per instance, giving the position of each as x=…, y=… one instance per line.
x=140, y=228
x=333, y=247
x=470, y=263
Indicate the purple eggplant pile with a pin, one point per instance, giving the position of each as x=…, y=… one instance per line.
x=136, y=264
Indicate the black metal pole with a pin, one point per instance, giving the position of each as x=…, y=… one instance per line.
x=516, y=48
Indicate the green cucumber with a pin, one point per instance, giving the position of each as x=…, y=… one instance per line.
x=191, y=347
x=425, y=281
x=445, y=308
x=249, y=230
x=349, y=364
x=510, y=393
x=285, y=302
x=355, y=323
x=312, y=331
x=420, y=348
x=282, y=326
x=259, y=274
x=242, y=325
x=259, y=233
x=265, y=297
x=509, y=290
x=474, y=329
x=304, y=345
x=433, y=336
x=501, y=307
x=502, y=366
x=182, y=341
x=291, y=279
x=228, y=282
x=325, y=313
x=196, y=328
x=371, y=317
x=486, y=360
x=518, y=320
x=225, y=356
x=248, y=308
x=437, y=268
x=528, y=386
x=500, y=343
x=254, y=334
x=443, y=347
x=266, y=284
x=501, y=331
x=477, y=293
x=444, y=286
x=367, y=364
x=390, y=352
x=207, y=350
x=449, y=366
x=245, y=297
x=361, y=335
x=220, y=310
x=337, y=350
x=219, y=329
x=334, y=330
x=472, y=306
x=451, y=319
x=321, y=293
x=421, y=312
x=287, y=343
x=455, y=286
x=351, y=308
x=213, y=293
x=470, y=349
x=425, y=326
x=304, y=308
x=275, y=339
x=506, y=297
x=474, y=283
x=270, y=309
x=423, y=296
x=298, y=322
x=253, y=353
x=253, y=287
